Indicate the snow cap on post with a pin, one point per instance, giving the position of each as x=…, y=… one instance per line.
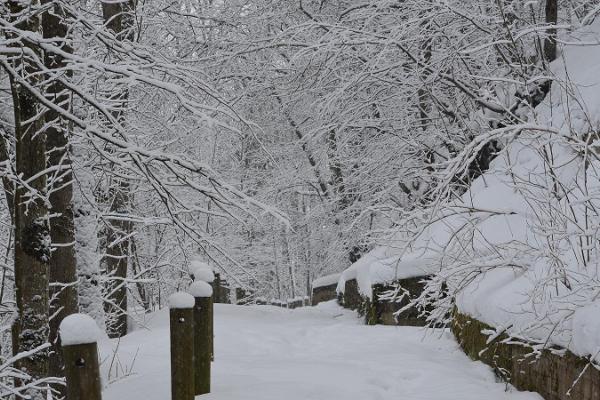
x=181, y=300
x=78, y=329
x=201, y=271
x=201, y=289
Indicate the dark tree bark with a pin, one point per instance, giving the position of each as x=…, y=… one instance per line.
x=63, y=265
x=32, y=234
x=551, y=19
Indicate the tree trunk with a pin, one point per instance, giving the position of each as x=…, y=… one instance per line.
x=287, y=257
x=118, y=18
x=551, y=19
x=343, y=197
x=32, y=236
x=63, y=265
x=115, y=266
x=137, y=271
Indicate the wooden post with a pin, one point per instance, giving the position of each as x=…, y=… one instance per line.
x=79, y=334
x=202, y=272
x=203, y=335
x=182, y=346
x=217, y=289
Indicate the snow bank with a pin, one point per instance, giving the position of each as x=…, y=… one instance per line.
x=586, y=330
x=542, y=281
x=78, y=329
x=181, y=300
x=521, y=249
x=201, y=289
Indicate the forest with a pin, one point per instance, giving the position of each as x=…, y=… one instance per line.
x=290, y=145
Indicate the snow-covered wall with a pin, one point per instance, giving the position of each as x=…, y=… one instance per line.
x=385, y=265
x=554, y=376
x=520, y=249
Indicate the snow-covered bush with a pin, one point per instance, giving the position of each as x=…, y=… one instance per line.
x=519, y=249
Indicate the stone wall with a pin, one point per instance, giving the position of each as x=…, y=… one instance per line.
x=553, y=376
x=351, y=298
x=381, y=312
x=324, y=293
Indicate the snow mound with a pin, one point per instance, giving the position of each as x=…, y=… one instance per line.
x=326, y=280
x=586, y=330
x=78, y=329
x=378, y=266
x=200, y=289
x=181, y=300
x=201, y=271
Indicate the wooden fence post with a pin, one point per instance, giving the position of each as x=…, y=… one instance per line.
x=181, y=315
x=239, y=296
x=217, y=286
x=79, y=336
x=203, y=335
x=203, y=273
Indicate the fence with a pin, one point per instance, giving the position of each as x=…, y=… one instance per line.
x=191, y=340
x=191, y=343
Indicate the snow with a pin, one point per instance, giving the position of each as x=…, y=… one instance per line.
x=78, y=329
x=521, y=247
x=310, y=353
x=200, y=289
x=326, y=280
x=378, y=266
x=181, y=300
x=586, y=326
x=542, y=241
x=202, y=271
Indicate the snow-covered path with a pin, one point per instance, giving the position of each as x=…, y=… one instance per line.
x=314, y=353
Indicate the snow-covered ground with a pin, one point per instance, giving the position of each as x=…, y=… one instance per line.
x=318, y=353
